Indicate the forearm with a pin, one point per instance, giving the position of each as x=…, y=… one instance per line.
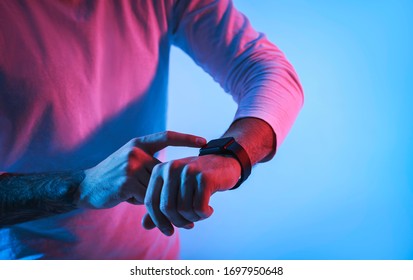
x=200, y=177
x=255, y=136
x=33, y=196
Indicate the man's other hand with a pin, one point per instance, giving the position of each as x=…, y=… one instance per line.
x=125, y=174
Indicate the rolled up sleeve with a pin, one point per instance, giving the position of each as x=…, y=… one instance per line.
x=253, y=70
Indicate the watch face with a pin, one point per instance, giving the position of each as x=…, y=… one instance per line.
x=223, y=142
x=217, y=146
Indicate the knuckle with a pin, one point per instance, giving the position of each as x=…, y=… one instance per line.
x=135, y=141
x=188, y=214
x=174, y=165
x=158, y=168
x=165, y=208
x=190, y=175
x=200, y=212
x=202, y=179
x=167, y=135
x=184, y=210
x=148, y=203
x=190, y=170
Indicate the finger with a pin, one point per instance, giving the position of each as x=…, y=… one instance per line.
x=147, y=222
x=168, y=203
x=152, y=201
x=155, y=142
x=201, y=201
x=185, y=197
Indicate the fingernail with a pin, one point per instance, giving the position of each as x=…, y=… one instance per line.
x=188, y=226
x=200, y=141
x=167, y=231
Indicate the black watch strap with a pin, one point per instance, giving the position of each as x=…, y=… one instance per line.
x=228, y=146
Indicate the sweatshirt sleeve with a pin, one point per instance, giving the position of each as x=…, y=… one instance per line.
x=254, y=71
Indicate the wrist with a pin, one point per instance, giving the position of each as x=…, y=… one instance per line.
x=81, y=181
x=256, y=136
x=230, y=148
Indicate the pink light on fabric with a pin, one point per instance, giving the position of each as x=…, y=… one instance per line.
x=78, y=81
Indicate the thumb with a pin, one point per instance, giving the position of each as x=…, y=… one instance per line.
x=155, y=142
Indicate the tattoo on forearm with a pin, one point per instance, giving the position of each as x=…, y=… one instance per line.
x=34, y=196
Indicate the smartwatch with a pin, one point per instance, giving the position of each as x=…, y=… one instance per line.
x=228, y=146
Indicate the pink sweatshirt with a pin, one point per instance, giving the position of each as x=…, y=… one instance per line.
x=78, y=79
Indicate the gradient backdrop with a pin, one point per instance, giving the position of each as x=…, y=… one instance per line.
x=341, y=186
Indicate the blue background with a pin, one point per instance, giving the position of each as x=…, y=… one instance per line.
x=340, y=186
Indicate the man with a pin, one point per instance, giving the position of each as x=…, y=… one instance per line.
x=78, y=79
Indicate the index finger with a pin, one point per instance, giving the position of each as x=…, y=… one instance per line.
x=155, y=142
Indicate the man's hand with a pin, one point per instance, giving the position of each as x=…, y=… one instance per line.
x=179, y=191
x=124, y=175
